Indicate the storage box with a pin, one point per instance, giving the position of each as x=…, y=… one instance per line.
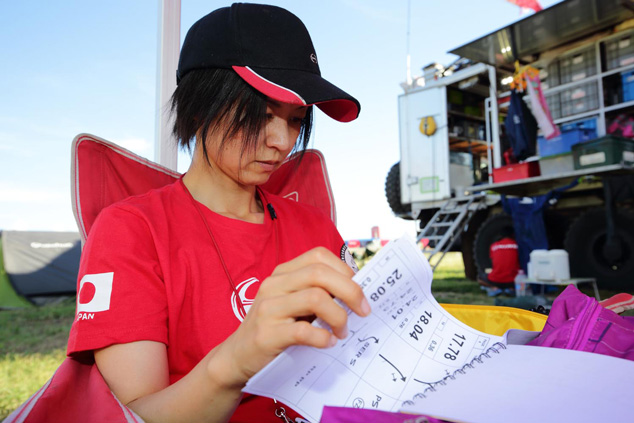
x=558, y=164
x=619, y=51
x=580, y=98
x=590, y=123
x=516, y=171
x=627, y=79
x=563, y=143
x=577, y=66
x=603, y=151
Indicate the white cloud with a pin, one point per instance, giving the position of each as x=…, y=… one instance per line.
x=14, y=194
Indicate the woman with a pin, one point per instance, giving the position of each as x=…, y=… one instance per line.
x=175, y=270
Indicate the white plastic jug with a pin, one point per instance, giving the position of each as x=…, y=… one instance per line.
x=551, y=265
x=538, y=264
x=559, y=264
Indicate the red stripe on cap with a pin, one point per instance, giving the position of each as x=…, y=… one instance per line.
x=268, y=88
x=340, y=110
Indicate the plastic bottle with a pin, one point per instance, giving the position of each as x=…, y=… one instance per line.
x=520, y=284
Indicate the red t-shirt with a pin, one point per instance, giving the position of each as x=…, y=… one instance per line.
x=149, y=271
x=504, y=261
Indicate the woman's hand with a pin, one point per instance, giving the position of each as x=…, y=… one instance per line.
x=304, y=286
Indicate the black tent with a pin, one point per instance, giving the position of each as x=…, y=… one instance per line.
x=39, y=266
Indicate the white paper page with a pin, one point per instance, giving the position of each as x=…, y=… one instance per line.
x=528, y=384
x=407, y=342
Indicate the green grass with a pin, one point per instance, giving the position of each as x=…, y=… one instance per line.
x=33, y=340
x=451, y=286
x=32, y=346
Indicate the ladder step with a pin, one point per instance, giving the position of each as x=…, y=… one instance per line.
x=441, y=224
x=452, y=216
x=433, y=237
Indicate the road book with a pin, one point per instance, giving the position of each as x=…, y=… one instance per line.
x=407, y=343
x=411, y=355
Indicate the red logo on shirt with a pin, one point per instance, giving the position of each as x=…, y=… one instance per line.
x=95, y=292
x=246, y=292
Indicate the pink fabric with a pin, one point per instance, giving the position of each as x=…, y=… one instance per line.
x=528, y=4
x=361, y=415
x=578, y=322
x=539, y=107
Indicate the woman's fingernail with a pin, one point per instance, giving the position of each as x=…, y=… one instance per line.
x=345, y=332
x=365, y=307
x=333, y=341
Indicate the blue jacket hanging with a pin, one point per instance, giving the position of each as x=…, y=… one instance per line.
x=528, y=221
x=521, y=127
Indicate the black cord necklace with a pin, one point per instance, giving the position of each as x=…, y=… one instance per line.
x=273, y=216
x=280, y=412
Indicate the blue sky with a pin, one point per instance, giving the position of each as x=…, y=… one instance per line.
x=90, y=66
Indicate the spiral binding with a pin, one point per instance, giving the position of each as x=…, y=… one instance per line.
x=493, y=349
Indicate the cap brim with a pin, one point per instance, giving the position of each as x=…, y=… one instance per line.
x=303, y=88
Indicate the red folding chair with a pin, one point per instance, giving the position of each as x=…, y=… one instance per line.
x=104, y=173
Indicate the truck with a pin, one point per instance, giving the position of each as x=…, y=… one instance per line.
x=452, y=175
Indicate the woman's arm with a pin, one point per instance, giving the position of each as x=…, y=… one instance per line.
x=138, y=372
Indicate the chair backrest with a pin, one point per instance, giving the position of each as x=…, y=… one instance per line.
x=104, y=173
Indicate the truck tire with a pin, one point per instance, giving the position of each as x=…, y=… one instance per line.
x=585, y=243
x=467, y=240
x=393, y=192
x=486, y=235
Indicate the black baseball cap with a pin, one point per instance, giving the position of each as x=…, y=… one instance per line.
x=270, y=49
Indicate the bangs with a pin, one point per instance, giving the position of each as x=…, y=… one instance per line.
x=211, y=100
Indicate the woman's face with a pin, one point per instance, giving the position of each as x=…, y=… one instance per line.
x=276, y=141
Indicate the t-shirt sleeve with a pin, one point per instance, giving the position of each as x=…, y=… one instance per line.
x=120, y=291
x=336, y=243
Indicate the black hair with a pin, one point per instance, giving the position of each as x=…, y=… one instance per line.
x=206, y=97
x=505, y=232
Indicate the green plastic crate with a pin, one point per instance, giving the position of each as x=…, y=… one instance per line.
x=607, y=150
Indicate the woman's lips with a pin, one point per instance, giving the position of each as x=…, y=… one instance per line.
x=268, y=166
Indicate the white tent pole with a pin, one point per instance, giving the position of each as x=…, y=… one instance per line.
x=166, y=151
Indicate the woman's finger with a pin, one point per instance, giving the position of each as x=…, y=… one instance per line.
x=314, y=256
x=307, y=302
x=321, y=276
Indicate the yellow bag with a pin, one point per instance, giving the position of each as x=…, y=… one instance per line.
x=496, y=320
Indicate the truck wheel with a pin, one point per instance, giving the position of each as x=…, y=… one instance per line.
x=586, y=242
x=467, y=239
x=393, y=192
x=488, y=231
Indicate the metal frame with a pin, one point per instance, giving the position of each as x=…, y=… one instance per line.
x=598, y=77
x=169, y=26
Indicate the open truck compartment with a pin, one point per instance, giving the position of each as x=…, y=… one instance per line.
x=453, y=140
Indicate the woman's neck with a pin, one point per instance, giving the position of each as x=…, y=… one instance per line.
x=221, y=194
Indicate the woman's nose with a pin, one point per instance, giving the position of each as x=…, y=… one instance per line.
x=279, y=134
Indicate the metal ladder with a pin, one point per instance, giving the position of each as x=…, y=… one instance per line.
x=445, y=226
